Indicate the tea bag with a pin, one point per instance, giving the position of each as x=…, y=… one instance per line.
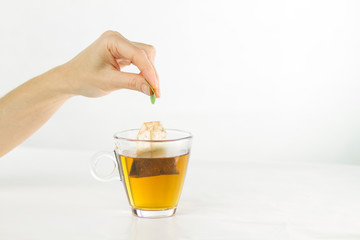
x=151, y=157
x=150, y=131
x=150, y=167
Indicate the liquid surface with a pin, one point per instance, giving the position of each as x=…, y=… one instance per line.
x=154, y=183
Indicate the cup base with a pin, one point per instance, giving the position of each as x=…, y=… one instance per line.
x=153, y=214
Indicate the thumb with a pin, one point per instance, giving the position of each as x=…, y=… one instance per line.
x=130, y=81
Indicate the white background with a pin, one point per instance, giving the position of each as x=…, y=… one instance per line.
x=253, y=80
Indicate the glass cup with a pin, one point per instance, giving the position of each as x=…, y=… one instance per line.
x=152, y=171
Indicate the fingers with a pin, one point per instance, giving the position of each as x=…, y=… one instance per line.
x=150, y=51
x=122, y=62
x=154, y=80
x=131, y=81
x=120, y=47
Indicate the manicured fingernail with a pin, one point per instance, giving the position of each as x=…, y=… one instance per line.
x=145, y=89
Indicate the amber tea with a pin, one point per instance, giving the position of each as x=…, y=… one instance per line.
x=154, y=183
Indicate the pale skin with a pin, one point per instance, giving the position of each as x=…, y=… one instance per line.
x=95, y=72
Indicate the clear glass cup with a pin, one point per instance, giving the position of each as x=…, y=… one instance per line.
x=152, y=171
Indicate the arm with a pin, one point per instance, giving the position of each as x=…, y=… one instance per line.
x=95, y=72
x=28, y=107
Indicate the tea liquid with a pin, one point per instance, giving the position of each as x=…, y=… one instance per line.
x=154, y=183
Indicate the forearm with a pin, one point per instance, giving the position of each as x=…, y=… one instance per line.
x=28, y=107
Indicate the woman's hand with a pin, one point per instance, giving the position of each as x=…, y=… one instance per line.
x=96, y=71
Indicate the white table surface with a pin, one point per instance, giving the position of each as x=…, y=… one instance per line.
x=50, y=194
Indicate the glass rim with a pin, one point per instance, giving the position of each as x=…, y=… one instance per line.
x=117, y=137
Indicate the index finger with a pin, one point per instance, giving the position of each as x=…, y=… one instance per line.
x=119, y=47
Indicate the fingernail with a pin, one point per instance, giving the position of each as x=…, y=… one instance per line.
x=145, y=89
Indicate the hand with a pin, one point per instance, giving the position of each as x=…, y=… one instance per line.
x=96, y=71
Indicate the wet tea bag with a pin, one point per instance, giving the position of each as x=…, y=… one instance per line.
x=150, y=167
x=151, y=157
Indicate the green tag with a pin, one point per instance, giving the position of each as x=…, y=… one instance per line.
x=152, y=97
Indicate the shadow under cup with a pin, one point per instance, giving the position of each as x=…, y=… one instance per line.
x=153, y=171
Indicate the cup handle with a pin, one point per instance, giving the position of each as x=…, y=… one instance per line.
x=96, y=159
